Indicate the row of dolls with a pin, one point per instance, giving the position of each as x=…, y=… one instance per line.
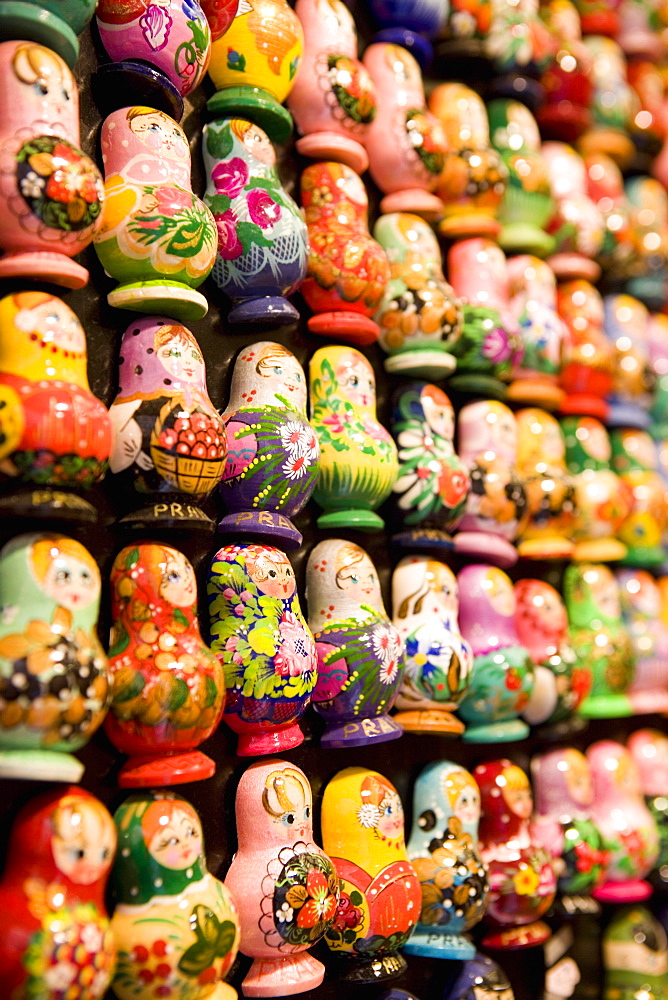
x=501, y=656
x=477, y=851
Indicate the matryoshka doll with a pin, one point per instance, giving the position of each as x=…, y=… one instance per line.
x=169, y=441
x=527, y=204
x=522, y=883
x=52, y=23
x=286, y=887
x=360, y=652
x=657, y=336
x=635, y=955
x=586, y=374
x=605, y=186
x=159, y=50
x=347, y=269
x=648, y=272
x=419, y=315
x=362, y=823
x=55, y=433
x=358, y=458
x=55, y=936
x=474, y=175
x=261, y=638
x=627, y=826
x=502, y=679
x=490, y=343
x=432, y=485
x=626, y=326
x=533, y=303
x=167, y=685
x=405, y=141
x=602, y=500
x=443, y=849
x=254, y=64
x=576, y=224
x=649, y=749
x=479, y=979
x=273, y=455
x=550, y=489
x=262, y=239
x=600, y=640
x=562, y=823
x=613, y=103
x=157, y=239
x=333, y=98
x=635, y=458
x=565, y=113
x=410, y=24
x=54, y=677
x=520, y=46
x=53, y=212
x=496, y=506
x=175, y=925
x=542, y=628
x=438, y=659
x=640, y=601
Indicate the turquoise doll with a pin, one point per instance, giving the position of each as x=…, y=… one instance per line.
x=260, y=636
x=273, y=455
x=262, y=238
x=360, y=652
x=54, y=680
x=443, y=849
x=174, y=922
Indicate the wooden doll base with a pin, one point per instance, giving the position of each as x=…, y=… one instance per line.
x=485, y=386
x=118, y=84
x=424, y=540
x=651, y=557
x=162, y=297
x=635, y=890
x=423, y=364
x=521, y=237
x=26, y=20
x=46, y=504
x=426, y=942
x=270, y=741
x=491, y=548
x=536, y=392
x=360, y=734
x=267, y=309
x=166, y=769
x=496, y=732
x=170, y=513
x=568, y=266
x=43, y=265
x=283, y=977
x=606, y=706
x=599, y=550
x=355, y=519
x=266, y=525
x=615, y=143
x=348, y=327
x=332, y=146
x=373, y=970
x=415, y=200
x=551, y=547
x=255, y=104
x=40, y=765
x=647, y=702
x=461, y=227
x=518, y=937
x=430, y=720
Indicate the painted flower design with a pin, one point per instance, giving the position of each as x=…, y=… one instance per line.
x=229, y=244
x=349, y=915
x=172, y=201
x=155, y=24
x=263, y=210
x=387, y=646
x=62, y=185
x=300, y=898
x=316, y=902
x=497, y=347
x=296, y=466
x=295, y=437
x=230, y=176
x=294, y=655
x=526, y=881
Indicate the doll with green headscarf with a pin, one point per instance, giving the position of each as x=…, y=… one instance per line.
x=176, y=926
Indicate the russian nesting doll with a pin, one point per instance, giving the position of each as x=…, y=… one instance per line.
x=522, y=882
x=648, y=271
x=157, y=239
x=167, y=685
x=273, y=454
x=565, y=114
x=502, y=678
x=628, y=827
x=576, y=224
x=55, y=937
x=640, y=602
x=443, y=849
x=262, y=239
x=626, y=326
x=360, y=652
x=438, y=659
x=54, y=23
x=586, y=375
x=51, y=194
x=169, y=441
x=605, y=186
x=433, y=483
x=410, y=24
x=419, y=315
x=55, y=433
x=635, y=458
x=601, y=642
x=261, y=637
x=363, y=832
x=635, y=955
x=175, y=925
x=613, y=104
x=520, y=47
x=54, y=676
x=649, y=749
x=479, y=979
x=286, y=887
x=358, y=458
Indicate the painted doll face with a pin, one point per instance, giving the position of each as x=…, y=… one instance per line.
x=83, y=842
x=178, y=842
x=391, y=813
x=519, y=799
x=579, y=781
x=286, y=374
x=500, y=593
x=359, y=580
x=48, y=84
x=439, y=416
x=182, y=360
x=356, y=380
x=161, y=134
x=71, y=582
x=604, y=592
x=177, y=583
x=272, y=573
x=258, y=144
x=289, y=804
x=467, y=806
x=55, y=323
